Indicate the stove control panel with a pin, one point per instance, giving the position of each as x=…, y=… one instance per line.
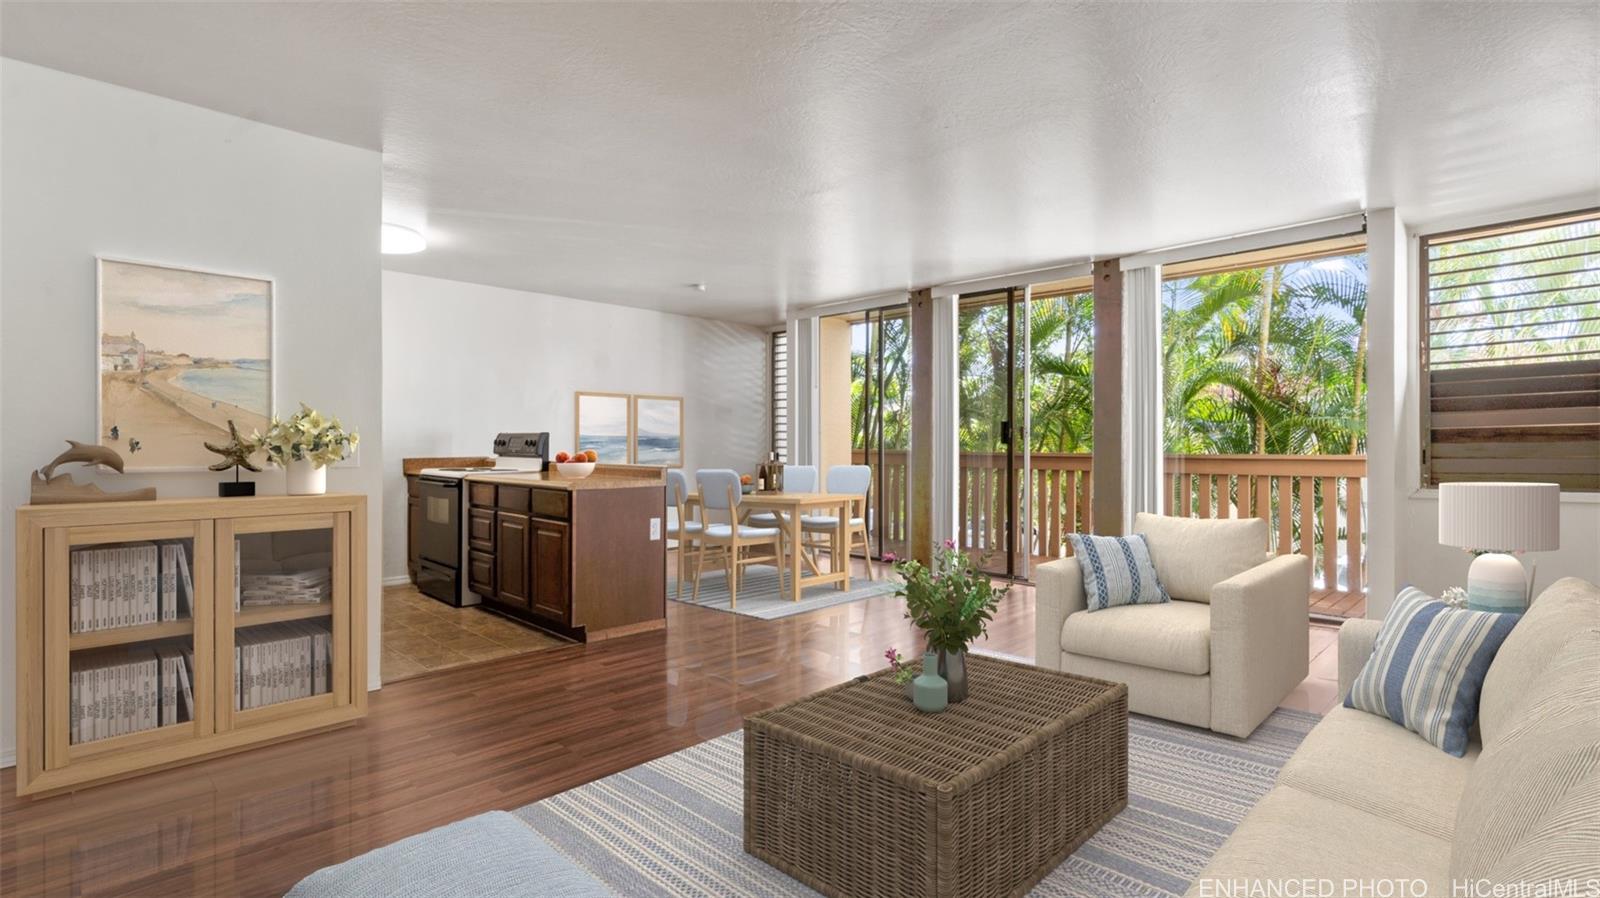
x=523, y=445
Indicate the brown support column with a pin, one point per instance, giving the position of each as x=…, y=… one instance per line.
x=1107, y=475
x=921, y=474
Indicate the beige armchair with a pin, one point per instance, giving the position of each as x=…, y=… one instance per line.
x=1233, y=642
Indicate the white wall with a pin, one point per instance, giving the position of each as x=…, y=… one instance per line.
x=89, y=168
x=463, y=362
x=1403, y=542
x=1391, y=379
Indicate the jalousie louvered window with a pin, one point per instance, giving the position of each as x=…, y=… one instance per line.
x=1511, y=353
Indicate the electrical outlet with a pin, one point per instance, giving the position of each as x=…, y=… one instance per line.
x=655, y=529
x=353, y=460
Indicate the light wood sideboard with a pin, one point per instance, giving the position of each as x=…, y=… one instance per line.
x=156, y=633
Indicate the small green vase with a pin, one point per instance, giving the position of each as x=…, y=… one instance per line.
x=929, y=692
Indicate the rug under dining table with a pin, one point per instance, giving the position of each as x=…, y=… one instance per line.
x=760, y=595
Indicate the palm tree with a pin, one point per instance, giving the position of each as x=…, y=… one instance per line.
x=1267, y=360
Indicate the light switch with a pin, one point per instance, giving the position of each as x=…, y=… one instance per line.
x=655, y=529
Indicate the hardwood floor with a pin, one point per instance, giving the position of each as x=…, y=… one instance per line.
x=1333, y=603
x=443, y=746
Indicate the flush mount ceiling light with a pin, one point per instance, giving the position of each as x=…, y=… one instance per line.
x=399, y=240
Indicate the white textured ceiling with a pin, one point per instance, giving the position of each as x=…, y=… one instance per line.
x=793, y=153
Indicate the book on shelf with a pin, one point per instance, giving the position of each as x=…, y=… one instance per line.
x=185, y=690
x=177, y=586
x=114, y=693
x=285, y=583
x=128, y=585
x=281, y=662
x=119, y=690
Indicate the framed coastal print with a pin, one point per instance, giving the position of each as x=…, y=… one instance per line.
x=605, y=424
x=181, y=352
x=658, y=430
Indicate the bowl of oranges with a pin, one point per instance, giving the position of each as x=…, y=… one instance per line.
x=576, y=465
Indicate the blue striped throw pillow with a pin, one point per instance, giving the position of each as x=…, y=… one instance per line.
x=1117, y=570
x=1427, y=667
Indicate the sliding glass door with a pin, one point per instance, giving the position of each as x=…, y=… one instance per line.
x=881, y=407
x=865, y=413
x=1026, y=364
x=994, y=505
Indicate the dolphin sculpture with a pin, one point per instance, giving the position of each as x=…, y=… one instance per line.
x=52, y=488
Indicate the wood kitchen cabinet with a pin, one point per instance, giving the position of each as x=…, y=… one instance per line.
x=550, y=555
x=582, y=562
x=512, y=558
x=413, y=528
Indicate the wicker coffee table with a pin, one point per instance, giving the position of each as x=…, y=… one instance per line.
x=855, y=793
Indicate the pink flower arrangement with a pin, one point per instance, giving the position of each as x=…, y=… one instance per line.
x=902, y=671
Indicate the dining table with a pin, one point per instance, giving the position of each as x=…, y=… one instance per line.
x=790, y=508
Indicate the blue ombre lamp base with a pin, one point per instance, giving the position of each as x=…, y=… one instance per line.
x=1497, y=582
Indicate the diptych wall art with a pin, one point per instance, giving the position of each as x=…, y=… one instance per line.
x=631, y=428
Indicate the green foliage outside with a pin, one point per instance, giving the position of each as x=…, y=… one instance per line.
x=1266, y=360
x=1516, y=298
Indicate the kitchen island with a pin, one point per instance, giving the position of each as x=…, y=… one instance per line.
x=583, y=558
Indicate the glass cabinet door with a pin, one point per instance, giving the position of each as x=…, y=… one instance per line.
x=283, y=584
x=128, y=644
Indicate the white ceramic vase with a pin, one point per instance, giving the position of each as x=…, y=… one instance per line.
x=306, y=478
x=1497, y=582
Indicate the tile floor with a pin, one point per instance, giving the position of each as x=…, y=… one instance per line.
x=422, y=635
x=1319, y=691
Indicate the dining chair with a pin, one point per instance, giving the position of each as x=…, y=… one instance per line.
x=853, y=480
x=796, y=479
x=681, y=528
x=719, y=494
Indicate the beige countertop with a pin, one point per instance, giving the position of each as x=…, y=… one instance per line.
x=413, y=466
x=599, y=480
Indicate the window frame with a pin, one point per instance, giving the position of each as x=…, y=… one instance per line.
x=778, y=436
x=1424, y=333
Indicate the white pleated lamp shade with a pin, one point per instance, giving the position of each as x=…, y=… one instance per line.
x=1500, y=517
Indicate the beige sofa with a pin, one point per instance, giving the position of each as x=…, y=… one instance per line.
x=1233, y=642
x=1364, y=800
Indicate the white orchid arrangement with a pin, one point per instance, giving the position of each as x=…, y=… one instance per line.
x=306, y=435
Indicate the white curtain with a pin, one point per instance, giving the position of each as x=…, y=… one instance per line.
x=805, y=433
x=946, y=429
x=1142, y=412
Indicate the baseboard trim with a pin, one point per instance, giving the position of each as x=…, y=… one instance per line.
x=8, y=759
x=402, y=580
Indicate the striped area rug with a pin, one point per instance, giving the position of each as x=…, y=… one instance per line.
x=760, y=596
x=673, y=827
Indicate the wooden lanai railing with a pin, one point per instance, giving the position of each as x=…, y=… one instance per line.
x=1312, y=503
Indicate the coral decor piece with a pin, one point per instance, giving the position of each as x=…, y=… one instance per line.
x=235, y=455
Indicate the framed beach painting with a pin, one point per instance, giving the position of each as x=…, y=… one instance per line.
x=605, y=424
x=181, y=352
x=658, y=430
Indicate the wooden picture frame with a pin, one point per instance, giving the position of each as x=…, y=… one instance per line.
x=658, y=419
x=609, y=428
x=179, y=351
